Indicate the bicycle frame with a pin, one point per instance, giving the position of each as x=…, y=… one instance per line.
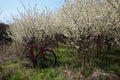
x=31, y=49
x=31, y=46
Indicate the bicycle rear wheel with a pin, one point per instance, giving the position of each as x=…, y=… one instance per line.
x=28, y=55
x=25, y=55
x=47, y=59
x=27, y=62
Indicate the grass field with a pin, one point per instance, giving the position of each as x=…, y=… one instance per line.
x=66, y=68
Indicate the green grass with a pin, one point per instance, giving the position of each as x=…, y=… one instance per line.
x=110, y=61
x=21, y=72
x=48, y=74
x=16, y=76
x=15, y=70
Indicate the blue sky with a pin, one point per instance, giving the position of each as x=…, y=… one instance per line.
x=9, y=7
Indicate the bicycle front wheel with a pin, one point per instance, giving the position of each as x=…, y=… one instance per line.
x=47, y=59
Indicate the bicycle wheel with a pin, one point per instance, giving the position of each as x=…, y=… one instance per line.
x=28, y=55
x=47, y=59
x=28, y=60
x=25, y=54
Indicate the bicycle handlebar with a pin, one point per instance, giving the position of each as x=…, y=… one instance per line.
x=42, y=31
x=33, y=37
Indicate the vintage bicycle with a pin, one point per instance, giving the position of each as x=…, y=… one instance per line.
x=38, y=54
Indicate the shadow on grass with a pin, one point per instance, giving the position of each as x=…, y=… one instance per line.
x=64, y=57
x=109, y=61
